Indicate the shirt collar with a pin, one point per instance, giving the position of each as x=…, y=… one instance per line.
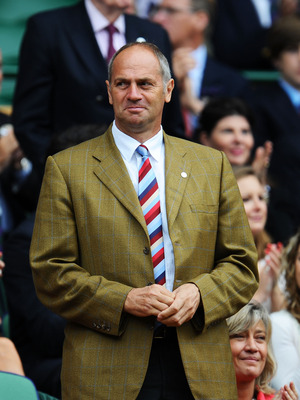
x=127, y=145
x=293, y=93
x=99, y=22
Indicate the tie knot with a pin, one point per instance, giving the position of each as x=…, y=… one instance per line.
x=143, y=151
x=111, y=29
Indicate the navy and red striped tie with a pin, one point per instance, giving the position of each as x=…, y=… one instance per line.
x=148, y=194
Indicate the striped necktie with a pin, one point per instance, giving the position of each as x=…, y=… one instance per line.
x=148, y=194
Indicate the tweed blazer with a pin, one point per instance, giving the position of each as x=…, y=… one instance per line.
x=90, y=248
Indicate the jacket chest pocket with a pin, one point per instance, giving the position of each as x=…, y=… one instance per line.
x=206, y=215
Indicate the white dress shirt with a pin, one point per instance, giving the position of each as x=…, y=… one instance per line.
x=127, y=147
x=263, y=9
x=99, y=23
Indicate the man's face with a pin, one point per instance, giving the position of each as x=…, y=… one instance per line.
x=177, y=18
x=137, y=93
x=288, y=63
x=112, y=9
x=121, y=4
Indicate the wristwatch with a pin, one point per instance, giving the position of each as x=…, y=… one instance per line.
x=5, y=129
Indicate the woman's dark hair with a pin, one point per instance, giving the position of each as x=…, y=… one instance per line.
x=221, y=107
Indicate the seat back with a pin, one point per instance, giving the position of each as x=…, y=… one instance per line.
x=13, y=387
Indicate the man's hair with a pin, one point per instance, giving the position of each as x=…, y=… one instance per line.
x=283, y=35
x=163, y=62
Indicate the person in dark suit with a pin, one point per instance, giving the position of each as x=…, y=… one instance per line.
x=240, y=29
x=239, y=37
x=277, y=116
x=63, y=67
x=199, y=76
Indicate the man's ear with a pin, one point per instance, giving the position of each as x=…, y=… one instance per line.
x=169, y=90
x=108, y=92
x=201, y=20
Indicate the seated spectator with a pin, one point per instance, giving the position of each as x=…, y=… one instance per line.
x=198, y=75
x=9, y=358
x=278, y=120
x=226, y=124
x=286, y=323
x=250, y=341
x=254, y=195
x=18, y=183
x=37, y=333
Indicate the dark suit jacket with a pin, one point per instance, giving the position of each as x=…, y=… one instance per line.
x=87, y=253
x=278, y=121
x=62, y=75
x=37, y=332
x=4, y=119
x=238, y=36
x=221, y=80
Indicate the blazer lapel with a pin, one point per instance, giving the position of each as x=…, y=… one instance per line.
x=113, y=174
x=177, y=170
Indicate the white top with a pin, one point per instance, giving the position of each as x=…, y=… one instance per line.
x=127, y=146
x=286, y=346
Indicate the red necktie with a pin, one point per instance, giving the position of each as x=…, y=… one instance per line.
x=149, y=198
x=111, y=29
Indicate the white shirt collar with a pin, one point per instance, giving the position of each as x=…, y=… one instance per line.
x=99, y=22
x=292, y=92
x=127, y=145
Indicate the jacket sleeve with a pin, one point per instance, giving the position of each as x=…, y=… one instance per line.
x=233, y=278
x=62, y=283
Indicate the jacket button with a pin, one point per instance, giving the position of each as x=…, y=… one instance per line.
x=146, y=250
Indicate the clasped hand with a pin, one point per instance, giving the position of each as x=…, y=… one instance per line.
x=170, y=308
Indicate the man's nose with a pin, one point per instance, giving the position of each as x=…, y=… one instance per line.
x=133, y=92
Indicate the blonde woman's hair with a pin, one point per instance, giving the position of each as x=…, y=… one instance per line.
x=263, y=238
x=245, y=319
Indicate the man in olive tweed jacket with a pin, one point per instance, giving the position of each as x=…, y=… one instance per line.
x=90, y=250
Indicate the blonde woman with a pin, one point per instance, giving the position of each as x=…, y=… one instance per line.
x=254, y=362
x=254, y=195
